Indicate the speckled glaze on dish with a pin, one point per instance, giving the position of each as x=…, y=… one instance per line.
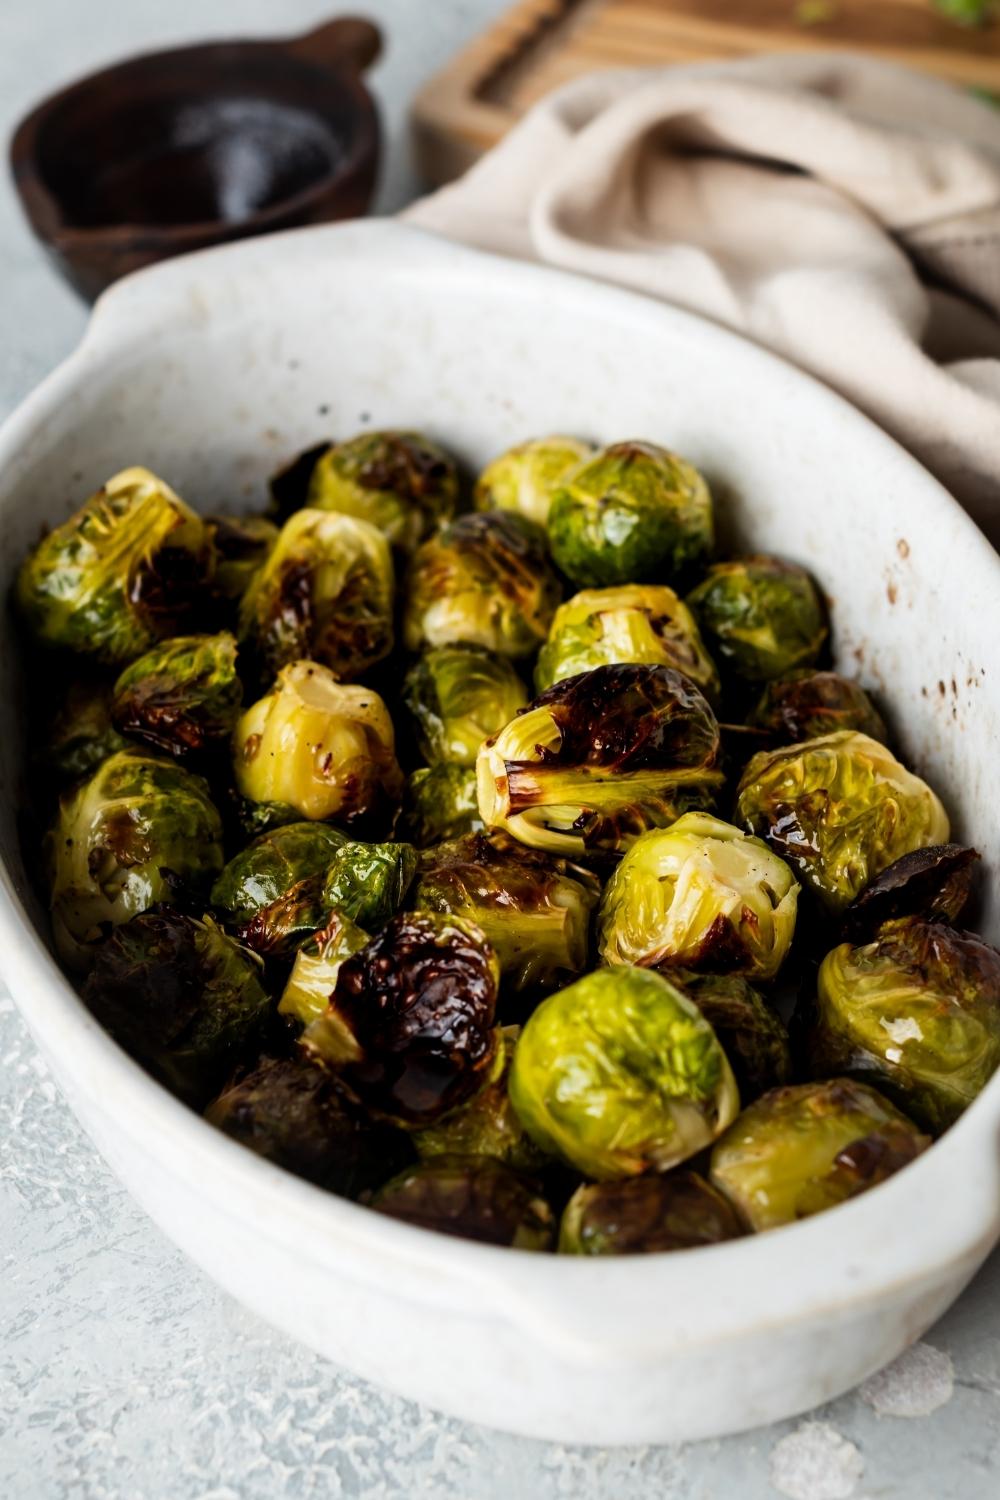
x=213, y=369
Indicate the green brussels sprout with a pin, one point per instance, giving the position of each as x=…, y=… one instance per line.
x=270, y=866
x=935, y=883
x=127, y=838
x=459, y=696
x=317, y=963
x=326, y=592
x=441, y=803
x=488, y=1124
x=241, y=545
x=524, y=478
x=620, y=1073
x=807, y=1147
x=916, y=1013
x=485, y=580
x=804, y=705
x=128, y=569
x=632, y=623
x=840, y=809
x=182, y=697
x=599, y=758
x=474, y=1198
x=400, y=482
x=325, y=748
x=181, y=997
x=642, y=1215
x=293, y=1113
x=410, y=1026
x=699, y=895
x=634, y=513
x=761, y=616
x=368, y=882
x=752, y=1035
x=80, y=734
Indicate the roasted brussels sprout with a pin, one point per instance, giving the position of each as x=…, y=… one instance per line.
x=840, y=809
x=807, y=1147
x=804, y=705
x=599, y=758
x=368, y=882
x=182, y=697
x=699, y=895
x=441, y=803
x=81, y=734
x=325, y=592
x=125, y=571
x=473, y=1198
x=752, y=1034
x=524, y=478
x=181, y=997
x=140, y=830
x=634, y=513
x=633, y=623
x=485, y=580
x=400, y=482
x=317, y=963
x=641, y=1215
x=621, y=1073
x=935, y=883
x=488, y=1124
x=458, y=696
x=271, y=865
x=323, y=747
x=760, y=616
x=241, y=545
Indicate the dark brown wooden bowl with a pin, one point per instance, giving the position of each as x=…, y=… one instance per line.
x=174, y=151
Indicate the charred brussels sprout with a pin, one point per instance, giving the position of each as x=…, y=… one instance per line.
x=271, y=865
x=317, y=963
x=488, y=1124
x=699, y=895
x=642, y=1215
x=805, y=705
x=485, y=580
x=621, y=1073
x=599, y=758
x=441, y=803
x=473, y=1198
x=81, y=733
x=807, y=1147
x=839, y=809
x=400, y=482
x=458, y=696
x=760, y=616
x=524, y=478
x=181, y=997
x=368, y=882
x=241, y=545
x=633, y=513
x=127, y=570
x=323, y=747
x=935, y=883
x=183, y=697
x=752, y=1035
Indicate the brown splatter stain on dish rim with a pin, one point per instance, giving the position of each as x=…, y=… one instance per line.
x=891, y=591
x=903, y=548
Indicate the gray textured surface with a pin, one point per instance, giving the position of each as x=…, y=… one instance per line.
x=124, y=1373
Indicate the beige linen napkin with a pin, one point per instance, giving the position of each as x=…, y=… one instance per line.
x=842, y=211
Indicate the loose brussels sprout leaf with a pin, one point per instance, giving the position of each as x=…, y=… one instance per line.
x=241, y=545
x=699, y=895
x=400, y=482
x=441, y=803
x=534, y=909
x=621, y=1073
x=485, y=580
x=935, y=883
x=317, y=963
x=124, y=840
x=279, y=929
x=634, y=513
x=323, y=747
x=325, y=592
x=368, y=882
x=642, y=1215
x=840, y=809
x=183, y=697
x=809, y=1146
x=524, y=478
x=633, y=623
x=804, y=705
x=599, y=758
x=181, y=997
x=125, y=571
x=410, y=1026
x=761, y=616
x=916, y=1012
x=459, y=696
x=752, y=1035
x=293, y=1113
x=473, y=1198
x=271, y=865
x=488, y=1124
x=81, y=733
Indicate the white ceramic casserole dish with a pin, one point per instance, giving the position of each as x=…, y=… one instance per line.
x=215, y=368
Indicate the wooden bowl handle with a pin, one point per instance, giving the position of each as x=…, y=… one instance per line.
x=347, y=42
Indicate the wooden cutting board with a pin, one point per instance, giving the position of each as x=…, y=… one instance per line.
x=539, y=44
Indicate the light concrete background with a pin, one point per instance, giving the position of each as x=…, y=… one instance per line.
x=124, y=1373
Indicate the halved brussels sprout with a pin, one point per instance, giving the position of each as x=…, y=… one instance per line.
x=317, y=963
x=458, y=696
x=473, y=1198
x=599, y=758
x=326, y=592
x=241, y=545
x=441, y=803
x=485, y=580
x=181, y=997
x=642, y=1215
x=140, y=830
x=80, y=734
x=368, y=882
x=699, y=895
x=634, y=513
x=488, y=1124
x=621, y=1073
x=128, y=569
x=803, y=705
x=323, y=747
x=183, y=696
x=809, y=1146
x=271, y=865
x=761, y=616
x=752, y=1035
x=840, y=809
x=400, y=482
x=935, y=883
x=632, y=623
x=524, y=478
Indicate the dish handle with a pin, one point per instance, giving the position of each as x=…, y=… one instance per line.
x=346, y=42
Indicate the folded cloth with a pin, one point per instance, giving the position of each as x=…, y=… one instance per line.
x=842, y=211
